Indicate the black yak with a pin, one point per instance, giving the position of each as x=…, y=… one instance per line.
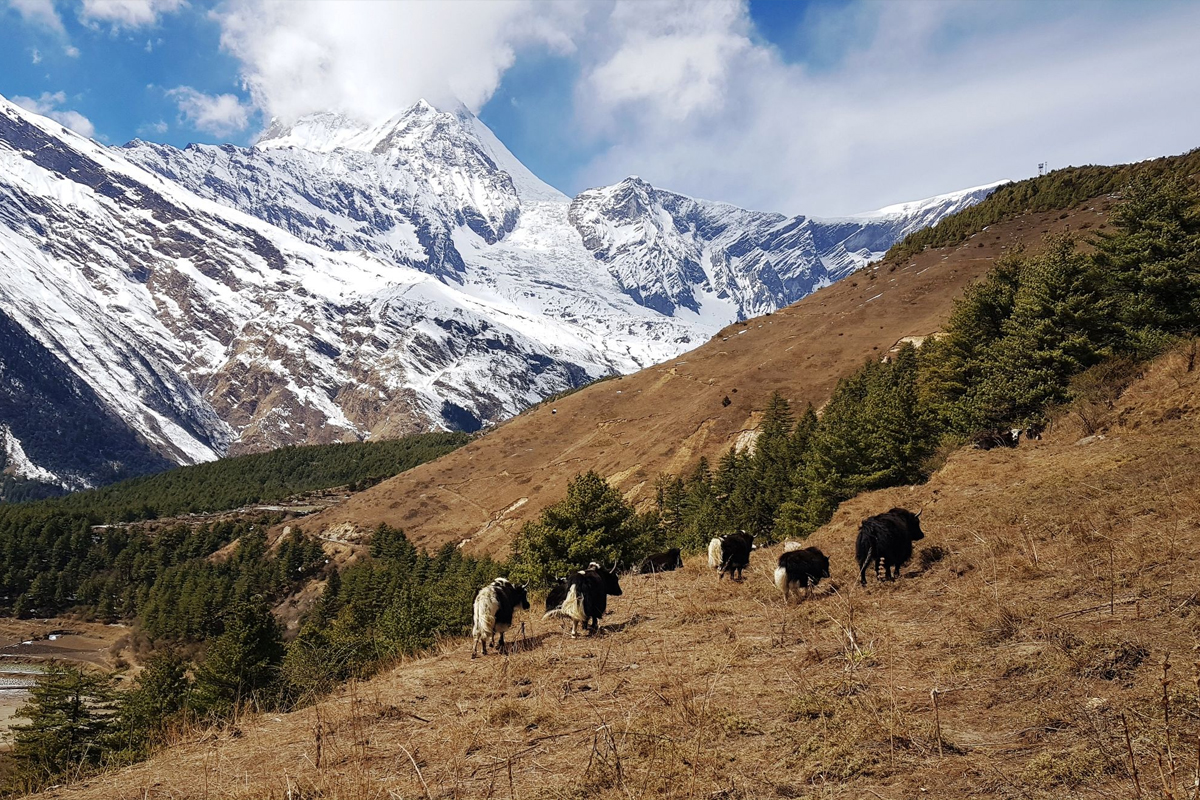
x=800, y=568
x=494, y=606
x=887, y=538
x=998, y=437
x=730, y=554
x=586, y=599
x=557, y=593
x=660, y=562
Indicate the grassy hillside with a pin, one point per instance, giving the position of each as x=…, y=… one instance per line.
x=665, y=418
x=1053, y=582
x=1059, y=332
x=1060, y=190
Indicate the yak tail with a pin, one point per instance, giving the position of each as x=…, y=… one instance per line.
x=571, y=608
x=715, y=560
x=781, y=578
x=862, y=567
x=486, y=606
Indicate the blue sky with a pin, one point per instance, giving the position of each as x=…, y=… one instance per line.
x=803, y=107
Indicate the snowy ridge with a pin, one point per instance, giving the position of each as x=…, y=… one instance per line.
x=342, y=280
x=15, y=462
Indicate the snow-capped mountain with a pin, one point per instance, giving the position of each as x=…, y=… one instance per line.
x=340, y=281
x=669, y=251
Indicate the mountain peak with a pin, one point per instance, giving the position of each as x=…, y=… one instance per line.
x=325, y=131
x=322, y=130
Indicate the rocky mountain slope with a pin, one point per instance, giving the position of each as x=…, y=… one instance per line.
x=340, y=281
x=665, y=417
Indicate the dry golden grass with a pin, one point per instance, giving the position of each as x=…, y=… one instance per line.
x=665, y=417
x=1054, y=582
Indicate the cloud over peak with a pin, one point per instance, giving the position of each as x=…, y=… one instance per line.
x=219, y=115
x=369, y=59
x=48, y=106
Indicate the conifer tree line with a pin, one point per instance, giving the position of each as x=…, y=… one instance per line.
x=258, y=478
x=1026, y=339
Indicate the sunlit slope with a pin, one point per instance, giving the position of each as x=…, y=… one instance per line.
x=666, y=417
x=1052, y=582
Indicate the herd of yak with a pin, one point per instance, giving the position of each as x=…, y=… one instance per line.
x=883, y=540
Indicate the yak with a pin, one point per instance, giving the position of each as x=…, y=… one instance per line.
x=494, y=606
x=887, y=538
x=660, y=562
x=998, y=437
x=557, y=593
x=800, y=568
x=586, y=599
x=730, y=554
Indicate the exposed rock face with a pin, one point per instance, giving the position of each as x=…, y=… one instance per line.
x=340, y=281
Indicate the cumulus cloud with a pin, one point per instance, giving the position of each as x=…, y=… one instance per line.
x=371, y=59
x=884, y=102
x=929, y=97
x=671, y=59
x=127, y=13
x=48, y=106
x=153, y=128
x=38, y=12
x=220, y=115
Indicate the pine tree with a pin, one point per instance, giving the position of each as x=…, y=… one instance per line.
x=952, y=366
x=1153, y=260
x=241, y=665
x=1061, y=324
x=161, y=692
x=592, y=523
x=70, y=715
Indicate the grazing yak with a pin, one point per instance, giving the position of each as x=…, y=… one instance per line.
x=586, y=599
x=998, y=437
x=494, y=606
x=730, y=554
x=800, y=568
x=557, y=593
x=660, y=562
x=887, y=538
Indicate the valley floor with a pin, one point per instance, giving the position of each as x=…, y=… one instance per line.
x=1053, y=583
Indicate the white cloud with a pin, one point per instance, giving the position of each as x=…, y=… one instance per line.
x=155, y=128
x=35, y=56
x=897, y=100
x=673, y=58
x=48, y=106
x=71, y=51
x=127, y=13
x=372, y=59
x=38, y=12
x=931, y=97
x=220, y=115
